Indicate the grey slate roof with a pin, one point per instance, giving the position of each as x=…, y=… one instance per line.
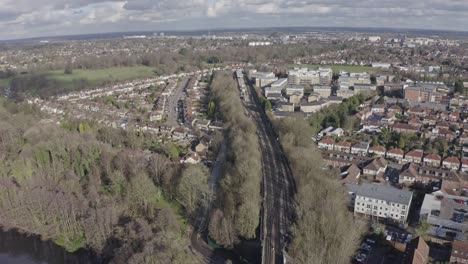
x=381, y=192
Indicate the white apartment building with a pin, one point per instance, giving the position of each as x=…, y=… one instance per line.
x=380, y=203
x=345, y=93
x=280, y=83
x=323, y=91
x=295, y=89
x=271, y=90
x=304, y=76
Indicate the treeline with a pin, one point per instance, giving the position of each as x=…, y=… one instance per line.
x=115, y=199
x=325, y=231
x=42, y=86
x=236, y=212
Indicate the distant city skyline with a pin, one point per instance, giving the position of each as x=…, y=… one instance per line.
x=36, y=18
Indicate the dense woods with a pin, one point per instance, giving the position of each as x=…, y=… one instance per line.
x=237, y=210
x=325, y=231
x=68, y=185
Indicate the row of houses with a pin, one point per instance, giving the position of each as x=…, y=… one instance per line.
x=395, y=154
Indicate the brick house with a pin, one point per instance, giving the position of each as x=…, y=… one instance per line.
x=414, y=156
x=326, y=143
x=395, y=154
x=464, y=164
x=452, y=163
x=375, y=167
x=377, y=150
x=459, y=252
x=360, y=148
x=432, y=160
x=343, y=146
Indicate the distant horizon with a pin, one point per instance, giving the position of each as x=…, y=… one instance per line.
x=283, y=29
x=22, y=19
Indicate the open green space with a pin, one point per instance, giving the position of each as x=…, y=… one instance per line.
x=95, y=77
x=338, y=68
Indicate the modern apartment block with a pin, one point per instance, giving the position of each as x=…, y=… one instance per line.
x=425, y=92
x=447, y=214
x=380, y=203
x=304, y=76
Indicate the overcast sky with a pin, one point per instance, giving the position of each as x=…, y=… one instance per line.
x=33, y=18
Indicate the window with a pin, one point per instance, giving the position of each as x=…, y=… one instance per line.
x=375, y=207
x=368, y=206
x=403, y=207
x=358, y=204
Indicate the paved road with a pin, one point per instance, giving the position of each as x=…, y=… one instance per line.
x=278, y=187
x=172, y=103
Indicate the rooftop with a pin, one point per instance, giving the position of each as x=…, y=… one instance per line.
x=386, y=193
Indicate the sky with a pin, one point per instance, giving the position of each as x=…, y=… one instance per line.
x=35, y=18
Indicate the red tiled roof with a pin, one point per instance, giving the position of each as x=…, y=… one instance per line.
x=343, y=144
x=432, y=157
x=454, y=160
x=464, y=161
x=396, y=151
x=404, y=126
x=378, y=149
x=395, y=107
x=415, y=153
x=328, y=141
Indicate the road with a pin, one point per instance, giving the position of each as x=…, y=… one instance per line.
x=174, y=97
x=278, y=187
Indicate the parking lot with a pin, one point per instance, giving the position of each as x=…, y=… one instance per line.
x=383, y=245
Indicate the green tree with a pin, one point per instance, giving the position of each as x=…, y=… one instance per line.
x=423, y=229
x=459, y=87
x=211, y=109
x=401, y=142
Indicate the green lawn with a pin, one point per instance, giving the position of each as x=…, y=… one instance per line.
x=96, y=77
x=338, y=68
x=99, y=76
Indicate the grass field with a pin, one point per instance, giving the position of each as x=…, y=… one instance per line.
x=99, y=76
x=96, y=77
x=338, y=68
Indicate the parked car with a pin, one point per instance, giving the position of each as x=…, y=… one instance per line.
x=361, y=258
x=370, y=241
x=366, y=246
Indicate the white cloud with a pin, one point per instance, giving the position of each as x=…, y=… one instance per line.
x=35, y=17
x=107, y=12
